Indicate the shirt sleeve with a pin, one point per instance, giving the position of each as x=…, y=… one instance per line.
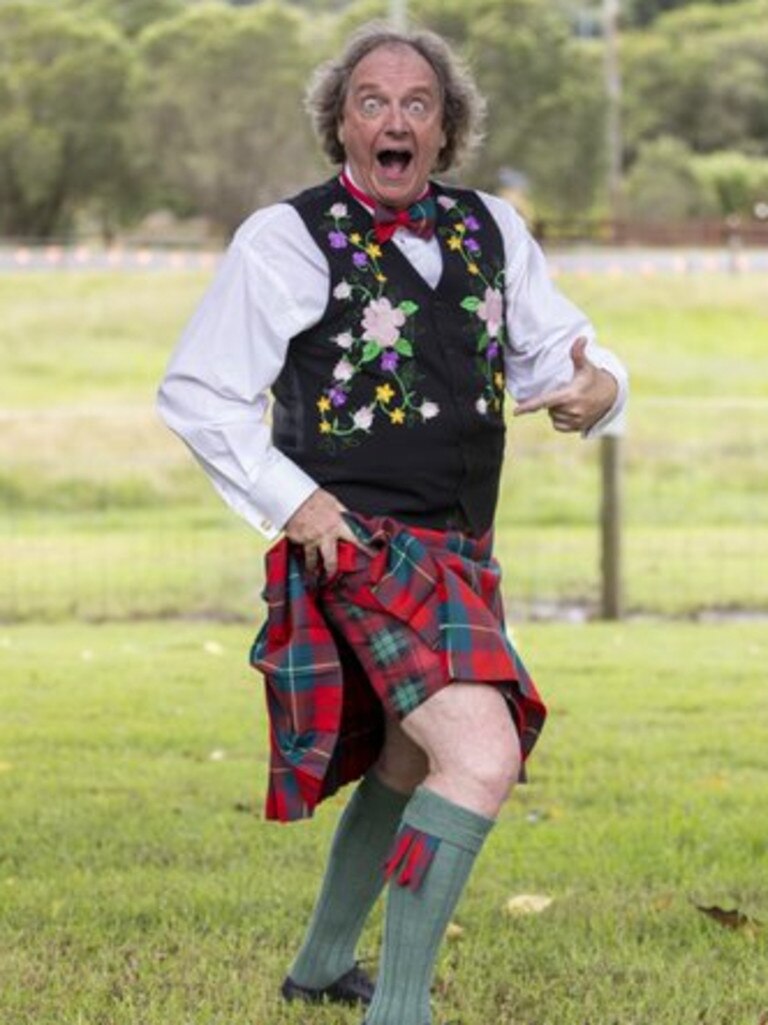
x=215, y=391
x=543, y=324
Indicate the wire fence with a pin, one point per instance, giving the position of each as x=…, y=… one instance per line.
x=104, y=515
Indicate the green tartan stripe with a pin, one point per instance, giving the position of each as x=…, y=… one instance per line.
x=408, y=694
x=387, y=646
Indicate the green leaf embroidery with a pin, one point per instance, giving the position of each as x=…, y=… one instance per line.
x=471, y=303
x=408, y=308
x=371, y=351
x=404, y=347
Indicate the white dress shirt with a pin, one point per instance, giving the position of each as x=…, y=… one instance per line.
x=271, y=285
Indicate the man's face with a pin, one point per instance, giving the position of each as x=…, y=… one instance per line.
x=392, y=124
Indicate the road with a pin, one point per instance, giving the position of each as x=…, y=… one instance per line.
x=629, y=261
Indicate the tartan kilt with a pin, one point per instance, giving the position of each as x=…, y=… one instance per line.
x=377, y=639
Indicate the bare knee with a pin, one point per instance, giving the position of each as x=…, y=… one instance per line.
x=490, y=771
x=472, y=745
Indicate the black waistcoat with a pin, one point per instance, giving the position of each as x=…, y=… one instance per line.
x=394, y=400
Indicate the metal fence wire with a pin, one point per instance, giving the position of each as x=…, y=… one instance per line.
x=108, y=517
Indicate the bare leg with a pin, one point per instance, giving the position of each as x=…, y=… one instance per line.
x=402, y=764
x=470, y=741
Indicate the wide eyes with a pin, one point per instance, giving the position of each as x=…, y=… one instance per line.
x=372, y=106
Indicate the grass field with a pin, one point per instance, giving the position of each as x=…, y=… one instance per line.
x=104, y=514
x=138, y=885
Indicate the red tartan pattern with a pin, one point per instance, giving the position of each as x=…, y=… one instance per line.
x=412, y=854
x=381, y=636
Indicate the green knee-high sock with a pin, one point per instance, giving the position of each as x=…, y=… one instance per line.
x=353, y=880
x=433, y=856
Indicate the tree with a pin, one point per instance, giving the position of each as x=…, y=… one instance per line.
x=221, y=108
x=662, y=185
x=545, y=97
x=65, y=91
x=739, y=182
x=644, y=12
x=132, y=16
x=701, y=75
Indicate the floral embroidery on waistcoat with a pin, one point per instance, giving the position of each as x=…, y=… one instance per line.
x=383, y=337
x=485, y=301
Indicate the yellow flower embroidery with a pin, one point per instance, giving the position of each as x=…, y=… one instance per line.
x=381, y=278
x=355, y=238
x=454, y=242
x=460, y=228
x=325, y=427
x=498, y=380
x=373, y=251
x=473, y=268
x=324, y=404
x=397, y=416
x=384, y=393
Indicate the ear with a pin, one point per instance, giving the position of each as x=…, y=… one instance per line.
x=340, y=132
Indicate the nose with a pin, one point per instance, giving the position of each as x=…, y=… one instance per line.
x=396, y=121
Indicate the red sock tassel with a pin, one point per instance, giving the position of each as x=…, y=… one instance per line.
x=412, y=854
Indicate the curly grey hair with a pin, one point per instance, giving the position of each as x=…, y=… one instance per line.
x=463, y=106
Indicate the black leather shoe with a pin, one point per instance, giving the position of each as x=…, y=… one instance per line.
x=354, y=987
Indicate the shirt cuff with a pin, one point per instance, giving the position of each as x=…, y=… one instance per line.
x=614, y=421
x=281, y=488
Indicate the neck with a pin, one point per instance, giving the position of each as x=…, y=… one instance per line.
x=369, y=202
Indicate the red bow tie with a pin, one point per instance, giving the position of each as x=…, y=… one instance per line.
x=418, y=218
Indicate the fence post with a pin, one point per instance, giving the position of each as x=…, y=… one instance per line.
x=611, y=590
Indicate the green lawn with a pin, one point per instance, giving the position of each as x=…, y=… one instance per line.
x=139, y=885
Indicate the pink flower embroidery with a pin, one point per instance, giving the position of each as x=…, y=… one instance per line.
x=382, y=322
x=363, y=418
x=343, y=371
x=491, y=310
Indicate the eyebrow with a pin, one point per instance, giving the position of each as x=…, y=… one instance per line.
x=376, y=87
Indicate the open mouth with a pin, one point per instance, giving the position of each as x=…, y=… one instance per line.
x=394, y=162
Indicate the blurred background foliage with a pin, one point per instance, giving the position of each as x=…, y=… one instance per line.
x=112, y=109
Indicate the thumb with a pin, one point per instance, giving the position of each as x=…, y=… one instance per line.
x=578, y=349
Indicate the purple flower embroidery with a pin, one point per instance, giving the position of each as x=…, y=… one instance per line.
x=337, y=239
x=472, y=245
x=472, y=223
x=493, y=350
x=337, y=396
x=360, y=259
x=389, y=361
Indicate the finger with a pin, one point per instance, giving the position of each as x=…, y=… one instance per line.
x=329, y=554
x=565, y=422
x=347, y=534
x=578, y=353
x=311, y=559
x=545, y=401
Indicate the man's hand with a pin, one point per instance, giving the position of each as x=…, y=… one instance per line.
x=580, y=404
x=318, y=526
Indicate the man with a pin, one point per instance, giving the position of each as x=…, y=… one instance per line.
x=387, y=313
